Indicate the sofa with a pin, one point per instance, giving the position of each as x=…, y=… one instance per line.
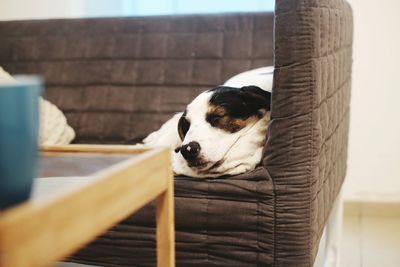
x=117, y=79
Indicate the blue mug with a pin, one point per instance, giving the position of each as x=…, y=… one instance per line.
x=19, y=126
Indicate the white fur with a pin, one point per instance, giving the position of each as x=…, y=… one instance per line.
x=240, y=151
x=167, y=135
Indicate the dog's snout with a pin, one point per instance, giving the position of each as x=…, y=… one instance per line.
x=191, y=150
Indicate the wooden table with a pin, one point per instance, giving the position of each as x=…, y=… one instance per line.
x=58, y=220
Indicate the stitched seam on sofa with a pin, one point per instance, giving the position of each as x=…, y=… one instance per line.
x=329, y=173
x=257, y=183
x=345, y=115
x=223, y=52
x=220, y=197
x=310, y=160
x=305, y=62
x=323, y=228
x=311, y=139
x=329, y=7
x=336, y=52
x=293, y=64
x=274, y=220
x=107, y=59
x=272, y=180
x=108, y=92
x=339, y=89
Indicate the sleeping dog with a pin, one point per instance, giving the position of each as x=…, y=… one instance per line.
x=221, y=132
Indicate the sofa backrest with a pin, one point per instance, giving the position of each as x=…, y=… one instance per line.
x=117, y=79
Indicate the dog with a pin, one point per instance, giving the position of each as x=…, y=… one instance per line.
x=221, y=132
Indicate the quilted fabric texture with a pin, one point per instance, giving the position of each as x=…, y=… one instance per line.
x=220, y=222
x=307, y=147
x=110, y=76
x=118, y=79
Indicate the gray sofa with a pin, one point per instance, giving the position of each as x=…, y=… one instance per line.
x=118, y=79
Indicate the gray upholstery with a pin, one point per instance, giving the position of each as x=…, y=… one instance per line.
x=119, y=79
x=111, y=75
x=307, y=147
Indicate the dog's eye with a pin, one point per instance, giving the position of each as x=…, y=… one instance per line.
x=183, y=127
x=213, y=119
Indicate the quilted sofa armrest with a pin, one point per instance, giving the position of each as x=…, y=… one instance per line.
x=307, y=148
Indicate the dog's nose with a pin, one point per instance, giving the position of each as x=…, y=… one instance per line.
x=191, y=150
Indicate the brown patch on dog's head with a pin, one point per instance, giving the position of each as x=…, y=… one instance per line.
x=219, y=117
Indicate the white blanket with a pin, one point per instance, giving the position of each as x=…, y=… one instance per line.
x=54, y=129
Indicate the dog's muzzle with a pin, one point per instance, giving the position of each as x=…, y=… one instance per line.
x=190, y=151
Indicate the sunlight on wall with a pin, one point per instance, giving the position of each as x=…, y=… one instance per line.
x=166, y=7
x=48, y=9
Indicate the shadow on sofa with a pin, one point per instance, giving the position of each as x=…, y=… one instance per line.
x=118, y=79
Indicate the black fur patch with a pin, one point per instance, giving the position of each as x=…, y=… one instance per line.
x=183, y=126
x=241, y=102
x=232, y=108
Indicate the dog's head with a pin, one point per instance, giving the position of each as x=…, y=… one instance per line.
x=216, y=120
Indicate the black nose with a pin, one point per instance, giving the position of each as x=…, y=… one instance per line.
x=191, y=150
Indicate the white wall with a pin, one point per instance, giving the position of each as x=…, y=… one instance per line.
x=40, y=9
x=374, y=152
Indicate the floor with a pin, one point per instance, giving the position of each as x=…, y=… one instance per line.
x=370, y=239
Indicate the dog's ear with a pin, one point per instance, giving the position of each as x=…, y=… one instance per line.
x=256, y=98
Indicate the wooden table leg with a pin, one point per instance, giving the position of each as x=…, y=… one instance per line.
x=166, y=226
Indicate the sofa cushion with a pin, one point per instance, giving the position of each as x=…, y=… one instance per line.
x=219, y=222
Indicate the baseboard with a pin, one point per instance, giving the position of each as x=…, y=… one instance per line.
x=372, y=208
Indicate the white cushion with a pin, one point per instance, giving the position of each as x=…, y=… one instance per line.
x=261, y=77
x=54, y=129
